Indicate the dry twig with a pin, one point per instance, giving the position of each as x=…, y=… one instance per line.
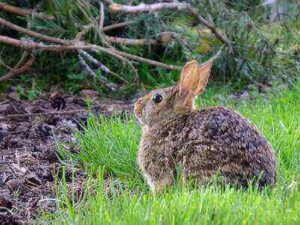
x=103, y=29
x=94, y=61
x=19, y=70
x=102, y=15
x=102, y=79
x=145, y=60
x=117, y=25
x=128, y=41
x=31, y=45
x=32, y=33
x=100, y=65
x=86, y=67
x=23, y=12
x=21, y=60
x=84, y=31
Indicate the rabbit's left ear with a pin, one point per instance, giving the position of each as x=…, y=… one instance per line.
x=194, y=77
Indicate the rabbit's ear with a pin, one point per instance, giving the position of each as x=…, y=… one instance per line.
x=192, y=82
x=194, y=78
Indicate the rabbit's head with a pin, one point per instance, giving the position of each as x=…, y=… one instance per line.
x=162, y=104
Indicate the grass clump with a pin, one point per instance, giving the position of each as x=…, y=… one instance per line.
x=110, y=147
x=111, y=143
x=181, y=206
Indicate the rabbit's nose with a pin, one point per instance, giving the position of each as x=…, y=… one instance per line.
x=138, y=106
x=141, y=103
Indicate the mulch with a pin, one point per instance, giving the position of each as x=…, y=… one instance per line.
x=29, y=158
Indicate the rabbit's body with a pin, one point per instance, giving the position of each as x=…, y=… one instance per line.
x=206, y=142
x=211, y=141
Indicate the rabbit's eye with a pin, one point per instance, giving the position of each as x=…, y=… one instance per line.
x=157, y=98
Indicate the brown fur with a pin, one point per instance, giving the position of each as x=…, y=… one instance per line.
x=206, y=142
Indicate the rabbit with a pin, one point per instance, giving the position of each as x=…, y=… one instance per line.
x=204, y=143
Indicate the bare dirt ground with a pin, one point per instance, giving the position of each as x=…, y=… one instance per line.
x=29, y=160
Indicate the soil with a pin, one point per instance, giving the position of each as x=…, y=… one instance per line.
x=29, y=159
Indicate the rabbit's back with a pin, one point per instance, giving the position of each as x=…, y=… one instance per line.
x=220, y=139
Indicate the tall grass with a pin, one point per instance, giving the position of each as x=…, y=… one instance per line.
x=110, y=147
x=111, y=143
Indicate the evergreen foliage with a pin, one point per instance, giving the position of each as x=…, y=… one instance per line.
x=265, y=42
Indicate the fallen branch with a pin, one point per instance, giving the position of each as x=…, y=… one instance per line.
x=127, y=41
x=118, y=40
x=102, y=79
x=148, y=61
x=100, y=65
x=69, y=45
x=142, y=7
x=32, y=33
x=19, y=70
x=118, y=25
x=102, y=15
x=31, y=45
x=179, y=6
x=23, y=12
x=86, y=67
x=94, y=61
x=104, y=29
x=58, y=40
x=23, y=57
x=83, y=32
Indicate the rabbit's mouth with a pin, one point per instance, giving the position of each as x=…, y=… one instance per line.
x=137, y=112
x=138, y=116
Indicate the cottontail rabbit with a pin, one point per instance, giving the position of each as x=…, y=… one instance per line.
x=205, y=142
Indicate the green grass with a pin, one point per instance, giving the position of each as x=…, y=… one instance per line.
x=116, y=194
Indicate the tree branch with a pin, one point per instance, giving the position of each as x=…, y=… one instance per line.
x=147, y=7
x=100, y=65
x=32, y=33
x=23, y=12
x=69, y=45
x=86, y=29
x=19, y=70
x=83, y=32
x=117, y=25
x=145, y=60
x=31, y=45
x=23, y=57
x=103, y=80
x=102, y=15
x=128, y=41
x=179, y=6
x=117, y=40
